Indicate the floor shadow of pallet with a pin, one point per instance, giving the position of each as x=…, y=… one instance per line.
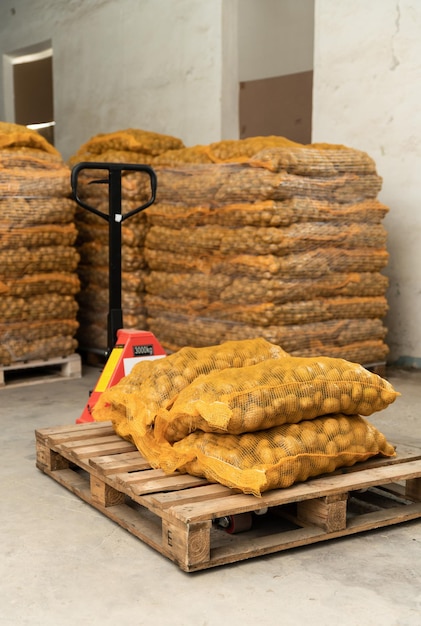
x=176, y=514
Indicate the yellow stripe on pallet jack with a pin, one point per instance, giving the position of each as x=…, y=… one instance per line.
x=109, y=368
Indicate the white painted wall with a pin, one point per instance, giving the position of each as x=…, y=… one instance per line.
x=150, y=64
x=275, y=38
x=367, y=91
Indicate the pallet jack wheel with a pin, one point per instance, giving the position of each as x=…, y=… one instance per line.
x=233, y=524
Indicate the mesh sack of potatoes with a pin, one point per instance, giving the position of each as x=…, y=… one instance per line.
x=18, y=136
x=309, y=264
x=38, y=307
x=252, y=290
x=269, y=240
x=133, y=235
x=176, y=331
x=135, y=412
x=37, y=330
x=131, y=140
x=266, y=213
x=130, y=300
x=278, y=457
x=99, y=276
x=368, y=351
x=335, y=333
x=29, y=158
x=36, y=284
x=240, y=150
x=193, y=154
x=269, y=313
x=37, y=236
x=95, y=253
x=19, y=262
x=271, y=393
x=25, y=212
x=320, y=160
x=217, y=184
x=109, y=156
x=228, y=183
x=345, y=187
x=22, y=350
x=18, y=182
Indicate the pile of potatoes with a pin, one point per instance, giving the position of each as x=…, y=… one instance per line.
x=248, y=415
x=132, y=405
x=272, y=393
x=280, y=456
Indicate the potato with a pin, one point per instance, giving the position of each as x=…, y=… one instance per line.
x=330, y=405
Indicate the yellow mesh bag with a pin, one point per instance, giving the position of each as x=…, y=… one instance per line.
x=157, y=384
x=18, y=136
x=265, y=213
x=314, y=160
x=131, y=140
x=271, y=393
x=240, y=150
x=194, y=154
x=278, y=457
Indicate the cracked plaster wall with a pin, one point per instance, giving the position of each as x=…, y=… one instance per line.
x=367, y=89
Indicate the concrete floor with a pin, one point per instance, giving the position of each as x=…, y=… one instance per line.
x=62, y=562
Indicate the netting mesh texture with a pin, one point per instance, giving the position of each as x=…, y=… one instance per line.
x=248, y=415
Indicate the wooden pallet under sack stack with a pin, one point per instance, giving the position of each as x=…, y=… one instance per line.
x=38, y=259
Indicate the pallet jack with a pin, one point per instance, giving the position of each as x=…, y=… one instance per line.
x=125, y=347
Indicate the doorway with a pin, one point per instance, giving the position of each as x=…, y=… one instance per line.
x=29, y=88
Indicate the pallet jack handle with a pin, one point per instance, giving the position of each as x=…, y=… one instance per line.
x=114, y=217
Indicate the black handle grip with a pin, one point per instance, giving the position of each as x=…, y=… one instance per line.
x=114, y=170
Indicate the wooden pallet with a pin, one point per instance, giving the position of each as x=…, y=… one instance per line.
x=179, y=515
x=23, y=373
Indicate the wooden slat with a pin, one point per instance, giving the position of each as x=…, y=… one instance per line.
x=314, y=488
x=117, y=463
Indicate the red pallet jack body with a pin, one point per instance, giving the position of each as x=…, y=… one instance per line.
x=125, y=346
x=131, y=347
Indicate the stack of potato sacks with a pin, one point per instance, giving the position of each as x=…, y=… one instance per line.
x=256, y=237
x=128, y=146
x=38, y=259
x=270, y=239
x=247, y=415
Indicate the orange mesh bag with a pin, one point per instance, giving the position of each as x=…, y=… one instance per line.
x=271, y=393
x=18, y=136
x=130, y=140
x=278, y=457
x=314, y=160
x=240, y=150
x=194, y=154
x=133, y=410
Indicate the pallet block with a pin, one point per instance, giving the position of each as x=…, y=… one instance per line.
x=178, y=515
x=24, y=373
